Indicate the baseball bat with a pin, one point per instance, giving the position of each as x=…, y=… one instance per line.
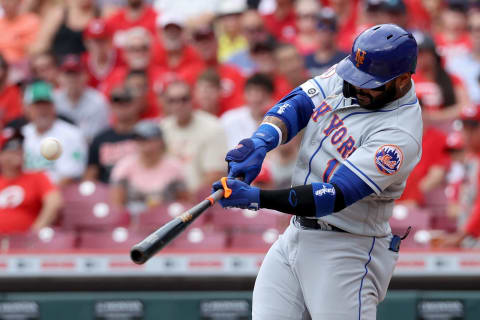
x=145, y=249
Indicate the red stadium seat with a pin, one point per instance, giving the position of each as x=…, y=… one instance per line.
x=403, y=217
x=238, y=219
x=200, y=239
x=47, y=239
x=119, y=238
x=157, y=216
x=254, y=240
x=87, y=206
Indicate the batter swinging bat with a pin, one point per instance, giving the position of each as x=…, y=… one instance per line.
x=144, y=250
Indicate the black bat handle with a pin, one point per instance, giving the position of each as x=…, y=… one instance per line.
x=145, y=249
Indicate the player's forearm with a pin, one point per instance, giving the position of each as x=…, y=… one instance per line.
x=293, y=112
x=280, y=124
x=301, y=200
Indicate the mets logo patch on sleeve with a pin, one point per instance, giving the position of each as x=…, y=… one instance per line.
x=388, y=159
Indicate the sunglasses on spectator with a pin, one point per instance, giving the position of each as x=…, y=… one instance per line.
x=142, y=48
x=471, y=123
x=173, y=100
x=307, y=16
x=203, y=36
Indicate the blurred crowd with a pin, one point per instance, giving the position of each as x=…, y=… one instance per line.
x=146, y=97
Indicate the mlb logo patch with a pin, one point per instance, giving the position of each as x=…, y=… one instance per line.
x=388, y=159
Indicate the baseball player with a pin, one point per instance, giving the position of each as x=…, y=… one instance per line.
x=363, y=132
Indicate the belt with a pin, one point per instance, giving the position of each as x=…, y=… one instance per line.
x=316, y=224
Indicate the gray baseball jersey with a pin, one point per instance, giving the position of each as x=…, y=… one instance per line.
x=380, y=146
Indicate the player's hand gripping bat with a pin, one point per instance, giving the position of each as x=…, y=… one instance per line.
x=145, y=249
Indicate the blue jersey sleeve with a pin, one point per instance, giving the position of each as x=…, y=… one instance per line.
x=295, y=110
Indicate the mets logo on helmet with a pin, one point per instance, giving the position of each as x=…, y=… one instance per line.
x=388, y=159
x=360, y=57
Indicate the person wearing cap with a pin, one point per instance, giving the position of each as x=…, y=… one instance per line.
x=327, y=53
x=29, y=201
x=85, y=106
x=44, y=123
x=101, y=57
x=138, y=57
x=469, y=218
x=230, y=38
x=136, y=13
x=281, y=22
x=467, y=66
x=195, y=137
x=442, y=94
x=232, y=80
x=116, y=141
x=142, y=180
x=172, y=52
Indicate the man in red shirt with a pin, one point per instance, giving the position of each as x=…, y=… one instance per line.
x=137, y=13
x=10, y=96
x=138, y=55
x=101, y=58
x=231, y=80
x=281, y=22
x=171, y=51
x=28, y=201
x=469, y=219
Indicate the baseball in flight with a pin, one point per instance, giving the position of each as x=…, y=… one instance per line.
x=51, y=148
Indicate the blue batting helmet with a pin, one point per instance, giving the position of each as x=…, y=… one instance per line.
x=379, y=54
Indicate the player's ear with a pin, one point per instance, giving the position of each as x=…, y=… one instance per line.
x=403, y=80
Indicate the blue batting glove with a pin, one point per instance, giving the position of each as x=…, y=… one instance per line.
x=242, y=195
x=246, y=159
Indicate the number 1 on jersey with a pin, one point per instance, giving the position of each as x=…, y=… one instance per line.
x=331, y=165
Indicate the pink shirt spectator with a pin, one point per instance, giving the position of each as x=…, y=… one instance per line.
x=145, y=186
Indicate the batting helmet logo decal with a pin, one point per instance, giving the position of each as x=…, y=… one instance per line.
x=388, y=159
x=360, y=56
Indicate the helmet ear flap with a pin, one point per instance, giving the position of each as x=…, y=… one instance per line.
x=348, y=89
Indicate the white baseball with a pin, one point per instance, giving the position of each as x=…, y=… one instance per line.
x=51, y=148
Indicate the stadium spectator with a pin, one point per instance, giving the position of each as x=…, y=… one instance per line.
x=149, y=176
x=281, y=22
x=114, y=143
x=291, y=65
x=469, y=218
x=11, y=105
x=138, y=57
x=456, y=174
x=255, y=32
x=29, y=201
x=137, y=13
x=172, y=53
x=452, y=39
x=230, y=38
x=232, y=81
x=61, y=31
x=282, y=161
x=44, y=123
x=431, y=171
x=207, y=92
x=264, y=58
x=18, y=31
x=101, y=58
x=44, y=67
x=240, y=123
x=348, y=14
x=327, y=53
x=306, y=39
x=194, y=137
x=467, y=66
x=395, y=11
x=85, y=106
x=443, y=95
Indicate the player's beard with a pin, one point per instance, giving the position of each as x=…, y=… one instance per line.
x=387, y=96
